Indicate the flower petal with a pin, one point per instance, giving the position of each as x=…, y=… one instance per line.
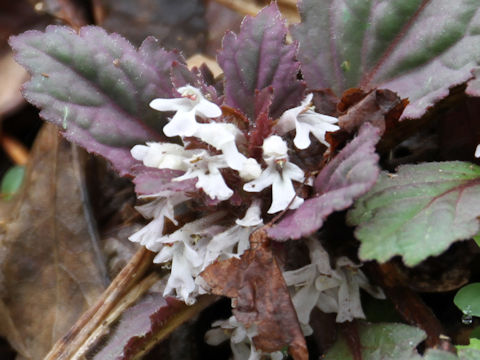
x=207, y=109
x=175, y=104
x=283, y=193
x=268, y=176
x=302, y=136
x=183, y=123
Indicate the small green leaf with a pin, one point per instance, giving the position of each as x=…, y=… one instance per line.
x=381, y=341
x=12, y=181
x=418, y=212
x=477, y=239
x=467, y=299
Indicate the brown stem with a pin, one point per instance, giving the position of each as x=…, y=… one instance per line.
x=350, y=332
x=78, y=335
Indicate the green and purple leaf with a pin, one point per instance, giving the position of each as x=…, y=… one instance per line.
x=96, y=87
x=258, y=58
x=348, y=176
x=418, y=212
x=419, y=49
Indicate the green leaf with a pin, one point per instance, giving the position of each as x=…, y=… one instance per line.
x=418, y=212
x=474, y=344
x=381, y=341
x=419, y=49
x=477, y=239
x=463, y=354
x=467, y=299
x=12, y=181
x=469, y=354
x=435, y=354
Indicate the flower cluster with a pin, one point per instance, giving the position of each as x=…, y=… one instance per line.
x=332, y=290
x=197, y=120
x=209, y=149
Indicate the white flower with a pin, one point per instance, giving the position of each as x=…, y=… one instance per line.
x=160, y=208
x=279, y=173
x=205, y=168
x=223, y=137
x=196, y=164
x=162, y=155
x=223, y=244
x=240, y=337
x=331, y=290
x=306, y=121
x=191, y=104
x=186, y=249
x=477, y=151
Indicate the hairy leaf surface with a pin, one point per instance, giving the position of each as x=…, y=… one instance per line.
x=419, y=49
x=418, y=212
x=257, y=58
x=96, y=87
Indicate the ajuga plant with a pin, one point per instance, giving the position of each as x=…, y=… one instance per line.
x=291, y=132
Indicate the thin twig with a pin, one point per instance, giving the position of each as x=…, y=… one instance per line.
x=83, y=329
x=15, y=150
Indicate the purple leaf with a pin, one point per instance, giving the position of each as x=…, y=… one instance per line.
x=263, y=123
x=419, y=49
x=96, y=87
x=349, y=175
x=144, y=325
x=257, y=58
x=137, y=323
x=152, y=181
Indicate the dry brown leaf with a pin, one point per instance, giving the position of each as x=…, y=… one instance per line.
x=50, y=264
x=378, y=107
x=260, y=296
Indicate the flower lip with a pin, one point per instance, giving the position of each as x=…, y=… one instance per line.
x=279, y=174
x=191, y=104
x=305, y=120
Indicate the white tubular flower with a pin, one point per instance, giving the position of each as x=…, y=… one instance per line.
x=240, y=337
x=305, y=121
x=186, y=249
x=206, y=169
x=162, y=155
x=223, y=137
x=191, y=104
x=160, y=208
x=196, y=164
x=279, y=173
x=331, y=290
x=222, y=245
